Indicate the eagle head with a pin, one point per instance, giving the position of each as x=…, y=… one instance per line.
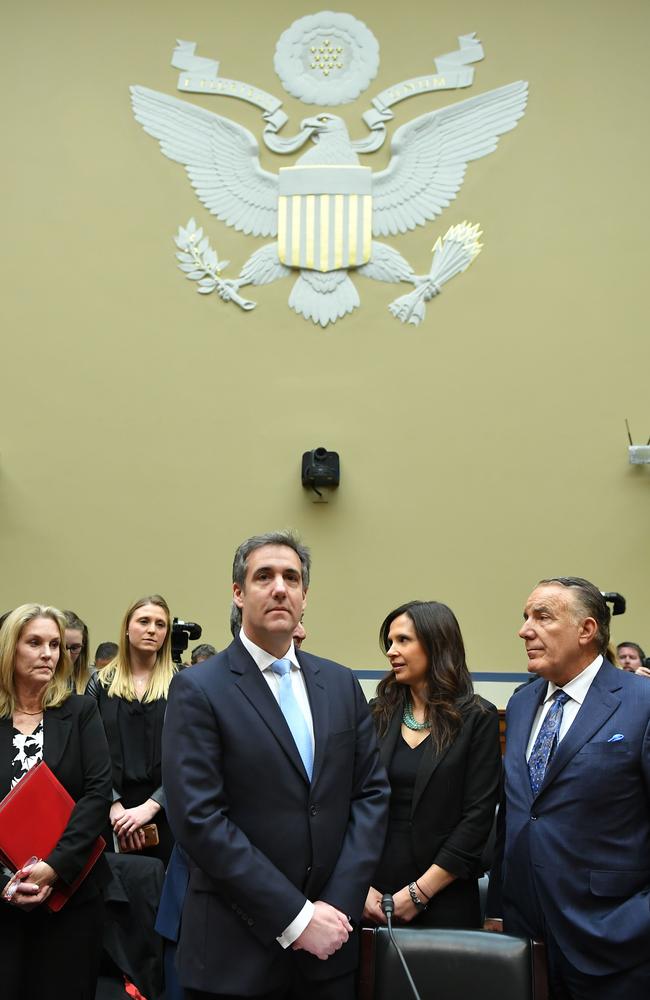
x=324, y=124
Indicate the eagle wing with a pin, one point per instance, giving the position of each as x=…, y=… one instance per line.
x=430, y=155
x=220, y=156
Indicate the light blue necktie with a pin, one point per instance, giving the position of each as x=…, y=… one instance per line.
x=295, y=719
x=546, y=741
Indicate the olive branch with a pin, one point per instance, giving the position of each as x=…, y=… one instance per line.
x=200, y=263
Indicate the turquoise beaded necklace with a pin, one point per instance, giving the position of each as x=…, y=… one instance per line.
x=409, y=719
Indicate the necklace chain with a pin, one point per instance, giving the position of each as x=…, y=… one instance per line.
x=23, y=712
x=409, y=719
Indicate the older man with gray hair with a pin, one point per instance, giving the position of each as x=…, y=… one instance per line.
x=574, y=827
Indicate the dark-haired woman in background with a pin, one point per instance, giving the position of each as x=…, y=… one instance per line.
x=440, y=745
x=131, y=693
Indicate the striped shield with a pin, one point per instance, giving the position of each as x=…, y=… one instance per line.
x=325, y=217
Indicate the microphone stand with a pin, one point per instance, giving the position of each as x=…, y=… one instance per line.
x=388, y=908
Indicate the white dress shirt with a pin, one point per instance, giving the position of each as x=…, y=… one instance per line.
x=264, y=661
x=577, y=691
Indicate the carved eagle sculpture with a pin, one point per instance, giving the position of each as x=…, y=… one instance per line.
x=427, y=167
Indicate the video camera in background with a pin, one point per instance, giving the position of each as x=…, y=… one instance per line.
x=182, y=632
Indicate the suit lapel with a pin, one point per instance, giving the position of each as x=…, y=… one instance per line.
x=255, y=689
x=520, y=720
x=57, y=726
x=388, y=741
x=318, y=702
x=599, y=704
x=520, y=723
x=428, y=763
x=7, y=753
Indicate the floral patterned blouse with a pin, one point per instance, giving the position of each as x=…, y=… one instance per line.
x=28, y=752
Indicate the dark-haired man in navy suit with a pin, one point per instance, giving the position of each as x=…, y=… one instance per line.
x=574, y=829
x=275, y=791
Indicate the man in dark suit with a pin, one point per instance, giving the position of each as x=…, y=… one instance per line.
x=275, y=790
x=574, y=827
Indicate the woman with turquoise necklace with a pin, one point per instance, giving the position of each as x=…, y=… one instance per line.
x=440, y=744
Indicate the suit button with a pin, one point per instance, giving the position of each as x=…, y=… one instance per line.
x=313, y=810
x=308, y=869
x=533, y=817
x=249, y=922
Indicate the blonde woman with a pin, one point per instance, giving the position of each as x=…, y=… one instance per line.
x=131, y=692
x=76, y=644
x=43, y=953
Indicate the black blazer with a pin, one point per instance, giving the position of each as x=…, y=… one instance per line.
x=75, y=749
x=260, y=837
x=455, y=793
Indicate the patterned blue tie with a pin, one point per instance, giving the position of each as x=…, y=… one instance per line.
x=295, y=719
x=546, y=742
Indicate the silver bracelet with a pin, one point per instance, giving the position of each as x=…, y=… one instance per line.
x=415, y=899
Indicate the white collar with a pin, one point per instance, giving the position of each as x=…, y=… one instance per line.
x=264, y=659
x=578, y=686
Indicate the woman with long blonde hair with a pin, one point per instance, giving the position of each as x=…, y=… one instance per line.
x=131, y=692
x=51, y=954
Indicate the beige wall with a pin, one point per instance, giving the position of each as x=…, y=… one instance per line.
x=146, y=430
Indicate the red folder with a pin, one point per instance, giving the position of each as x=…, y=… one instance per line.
x=33, y=816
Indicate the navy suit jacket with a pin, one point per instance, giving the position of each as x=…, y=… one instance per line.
x=579, y=851
x=172, y=897
x=260, y=837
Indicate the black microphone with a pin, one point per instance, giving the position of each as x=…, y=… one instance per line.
x=388, y=909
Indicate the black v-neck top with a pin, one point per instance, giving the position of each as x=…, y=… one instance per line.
x=398, y=866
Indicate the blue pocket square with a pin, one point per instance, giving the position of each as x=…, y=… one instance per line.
x=615, y=738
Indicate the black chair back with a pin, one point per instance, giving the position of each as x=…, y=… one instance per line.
x=451, y=965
